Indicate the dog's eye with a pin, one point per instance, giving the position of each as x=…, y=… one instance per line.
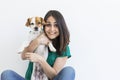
x=31, y=23
x=39, y=22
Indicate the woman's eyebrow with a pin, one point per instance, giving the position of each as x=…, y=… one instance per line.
x=50, y=22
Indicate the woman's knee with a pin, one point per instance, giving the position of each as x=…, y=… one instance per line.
x=69, y=70
x=6, y=73
x=10, y=75
x=67, y=73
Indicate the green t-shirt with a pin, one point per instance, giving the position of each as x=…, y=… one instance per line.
x=50, y=60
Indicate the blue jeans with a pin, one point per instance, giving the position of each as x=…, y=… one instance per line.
x=67, y=73
x=10, y=75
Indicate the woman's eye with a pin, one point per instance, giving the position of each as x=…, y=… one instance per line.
x=31, y=23
x=55, y=25
x=48, y=24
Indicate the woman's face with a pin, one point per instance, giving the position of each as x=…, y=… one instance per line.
x=51, y=29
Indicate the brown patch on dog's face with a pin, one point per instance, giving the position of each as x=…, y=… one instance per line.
x=35, y=23
x=28, y=22
x=43, y=22
x=38, y=21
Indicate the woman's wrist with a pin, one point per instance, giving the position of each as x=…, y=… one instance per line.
x=41, y=60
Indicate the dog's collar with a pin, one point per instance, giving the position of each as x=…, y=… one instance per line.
x=36, y=32
x=33, y=32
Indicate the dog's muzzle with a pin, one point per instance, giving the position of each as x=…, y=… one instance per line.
x=36, y=28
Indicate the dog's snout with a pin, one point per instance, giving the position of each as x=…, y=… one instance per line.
x=36, y=28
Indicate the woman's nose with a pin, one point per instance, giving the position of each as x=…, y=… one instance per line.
x=52, y=28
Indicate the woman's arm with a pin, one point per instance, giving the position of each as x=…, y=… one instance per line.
x=32, y=46
x=51, y=72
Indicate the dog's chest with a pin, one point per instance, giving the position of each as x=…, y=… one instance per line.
x=33, y=35
x=42, y=50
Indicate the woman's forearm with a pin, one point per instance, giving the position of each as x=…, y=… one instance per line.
x=32, y=46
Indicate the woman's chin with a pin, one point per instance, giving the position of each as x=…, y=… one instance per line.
x=52, y=37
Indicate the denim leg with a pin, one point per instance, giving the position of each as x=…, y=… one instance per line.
x=10, y=75
x=67, y=73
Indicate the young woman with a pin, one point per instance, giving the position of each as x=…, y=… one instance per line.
x=57, y=31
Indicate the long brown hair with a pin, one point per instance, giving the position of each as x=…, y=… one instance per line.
x=63, y=39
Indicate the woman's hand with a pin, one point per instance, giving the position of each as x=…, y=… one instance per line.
x=33, y=57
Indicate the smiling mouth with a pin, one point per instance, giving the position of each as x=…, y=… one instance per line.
x=52, y=33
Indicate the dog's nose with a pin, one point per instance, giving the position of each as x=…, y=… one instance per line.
x=36, y=28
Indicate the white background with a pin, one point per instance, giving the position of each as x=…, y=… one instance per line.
x=94, y=27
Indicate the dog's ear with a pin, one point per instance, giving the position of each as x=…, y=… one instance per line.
x=28, y=22
x=42, y=21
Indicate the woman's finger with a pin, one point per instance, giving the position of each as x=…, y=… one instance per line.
x=27, y=55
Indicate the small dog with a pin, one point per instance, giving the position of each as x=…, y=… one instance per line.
x=38, y=73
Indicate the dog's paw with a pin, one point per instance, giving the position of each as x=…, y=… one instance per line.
x=52, y=49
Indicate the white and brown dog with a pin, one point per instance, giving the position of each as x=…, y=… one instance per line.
x=37, y=73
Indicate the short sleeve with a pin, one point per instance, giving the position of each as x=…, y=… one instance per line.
x=53, y=55
x=66, y=52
